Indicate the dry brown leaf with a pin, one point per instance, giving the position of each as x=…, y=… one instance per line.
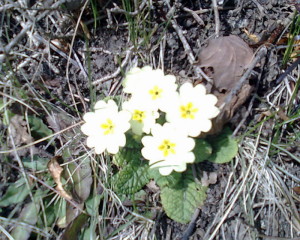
x=229, y=57
x=297, y=190
x=229, y=109
x=18, y=130
x=56, y=170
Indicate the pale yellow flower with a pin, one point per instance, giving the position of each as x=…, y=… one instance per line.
x=168, y=149
x=143, y=116
x=152, y=87
x=106, y=127
x=135, y=77
x=193, y=110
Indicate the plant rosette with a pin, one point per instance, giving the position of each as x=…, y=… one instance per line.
x=156, y=90
x=106, y=127
x=143, y=116
x=168, y=149
x=193, y=109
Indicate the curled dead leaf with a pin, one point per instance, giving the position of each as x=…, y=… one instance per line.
x=229, y=57
x=56, y=170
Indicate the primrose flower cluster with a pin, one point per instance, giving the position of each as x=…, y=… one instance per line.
x=168, y=147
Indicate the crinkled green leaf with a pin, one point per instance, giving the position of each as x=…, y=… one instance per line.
x=180, y=201
x=162, y=181
x=132, y=178
x=36, y=163
x=15, y=193
x=202, y=150
x=131, y=152
x=38, y=128
x=28, y=215
x=225, y=147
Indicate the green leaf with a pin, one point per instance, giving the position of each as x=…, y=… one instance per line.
x=202, y=150
x=15, y=193
x=38, y=128
x=92, y=204
x=132, y=178
x=81, y=175
x=37, y=163
x=73, y=229
x=28, y=215
x=162, y=181
x=90, y=232
x=7, y=114
x=225, y=147
x=132, y=152
x=181, y=201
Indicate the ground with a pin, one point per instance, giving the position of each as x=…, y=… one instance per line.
x=58, y=59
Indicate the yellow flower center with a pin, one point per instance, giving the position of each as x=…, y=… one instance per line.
x=167, y=147
x=108, y=127
x=138, y=116
x=188, y=111
x=155, y=92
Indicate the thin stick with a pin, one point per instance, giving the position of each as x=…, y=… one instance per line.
x=188, y=232
x=189, y=52
x=116, y=73
x=195, y=16
x=288, y=70
x=217, y=17
x=261, y=53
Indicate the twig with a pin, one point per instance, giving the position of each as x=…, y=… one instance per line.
x=245, y=116
x=217, y=17
x=261, y=53
x=189, y=230
x=288, y=70
x=56, y=49
x=189, y=52
x=17, y=38
x=260, y=7
x=116, y=73
x=195, y=16
x=6, y=7
x=117, y=9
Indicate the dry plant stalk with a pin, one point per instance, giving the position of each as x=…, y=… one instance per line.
x=56, y=171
